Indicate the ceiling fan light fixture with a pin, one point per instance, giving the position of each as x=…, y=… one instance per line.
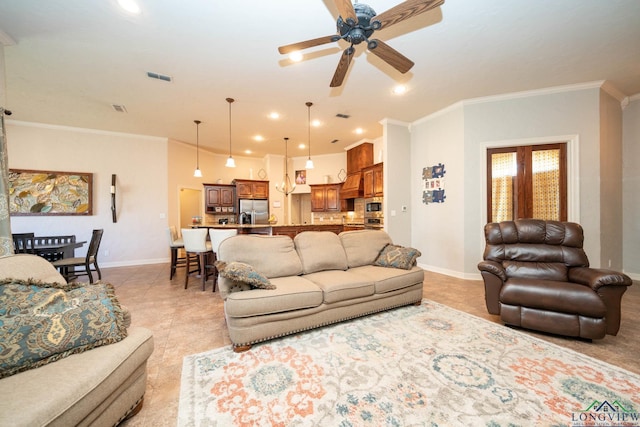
x=309, y=164
x=130, y=6
x=230, y=162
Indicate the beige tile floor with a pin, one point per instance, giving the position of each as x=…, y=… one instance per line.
x=191, y=321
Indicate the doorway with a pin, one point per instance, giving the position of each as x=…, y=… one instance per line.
x=528, y=181
x=190, y=206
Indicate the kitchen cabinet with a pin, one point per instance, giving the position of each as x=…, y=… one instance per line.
x=250, y=189
x=359, y=157
x=373, y=180
x=326, y=198
x=219, y=198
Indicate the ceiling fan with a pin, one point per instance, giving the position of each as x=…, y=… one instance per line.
x=357, y=23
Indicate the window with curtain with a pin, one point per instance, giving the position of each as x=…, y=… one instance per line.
x=527, y=182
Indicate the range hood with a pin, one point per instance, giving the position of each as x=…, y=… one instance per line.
x=353, y=186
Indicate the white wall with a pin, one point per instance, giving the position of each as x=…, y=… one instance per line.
x=515, y=117
x=631, y=188
x=140, y=165
x=437, y=229
x=398, y=176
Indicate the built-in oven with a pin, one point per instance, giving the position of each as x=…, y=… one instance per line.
x=373, y=223
x=373, y=213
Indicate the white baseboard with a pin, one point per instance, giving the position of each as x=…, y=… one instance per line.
x=452, y=273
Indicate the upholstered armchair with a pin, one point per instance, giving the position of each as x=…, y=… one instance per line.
x=537, y=276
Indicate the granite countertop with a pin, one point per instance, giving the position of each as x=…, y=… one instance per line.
x=239, y=226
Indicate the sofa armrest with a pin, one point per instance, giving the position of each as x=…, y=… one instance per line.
x=596, y=278
x=493, y=268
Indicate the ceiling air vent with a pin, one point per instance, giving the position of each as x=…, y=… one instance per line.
x=119, y=108
x=343, y=116
x=159, y=76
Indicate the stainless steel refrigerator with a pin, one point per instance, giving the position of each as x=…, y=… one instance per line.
x=254, y=211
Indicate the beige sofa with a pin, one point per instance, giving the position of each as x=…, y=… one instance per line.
x=99, y=387
x=320, y=278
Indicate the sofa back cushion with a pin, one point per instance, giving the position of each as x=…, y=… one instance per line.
x=362, y=247
x=26, y=266
x=271, y=256
x=319, y=251
x=535, y=249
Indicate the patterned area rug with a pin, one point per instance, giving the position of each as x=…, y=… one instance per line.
x=417, y=365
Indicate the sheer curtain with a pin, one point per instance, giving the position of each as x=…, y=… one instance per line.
x=6, y=242
x=503, y=171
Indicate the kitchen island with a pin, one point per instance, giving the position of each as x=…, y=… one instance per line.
x=290, y=230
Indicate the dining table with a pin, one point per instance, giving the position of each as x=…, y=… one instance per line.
x=64, y=249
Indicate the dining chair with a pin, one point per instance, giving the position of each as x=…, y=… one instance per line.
x=216, y=236
x=195, y=242
x=23, y=243
x=67, y=266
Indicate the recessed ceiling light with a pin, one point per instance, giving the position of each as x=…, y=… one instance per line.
x=316, y=123
x=274, y=115
x=295, y=56
x=247, y=151
x=399, y=90
x=301, y=146
x=130, y=6
x=258, y=138
x=359, y=131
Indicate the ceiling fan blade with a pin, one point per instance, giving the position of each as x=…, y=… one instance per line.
x=307, y=44
x=342, y=68
x=404, y=11
x=345, y=8
x=390, y=56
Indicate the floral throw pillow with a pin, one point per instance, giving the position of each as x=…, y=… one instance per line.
x=44, y=322
x=241, y=272
x=397, y=257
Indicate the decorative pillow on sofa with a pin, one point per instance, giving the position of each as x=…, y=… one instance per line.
x=44, y=322
x=397, y=257
x=241, y=272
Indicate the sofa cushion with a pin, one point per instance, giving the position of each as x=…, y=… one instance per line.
x=397, y=257
x=272, y=256
x=291, y=293
x=26, y=266
x=320, y=250
x=41, y=323
x=390, y=279
x=338, y=285
x=241, y=272
x=362, y=247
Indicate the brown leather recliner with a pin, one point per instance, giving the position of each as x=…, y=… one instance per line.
x=537, y=276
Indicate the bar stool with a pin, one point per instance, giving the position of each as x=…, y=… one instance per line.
x=216, y=236
x=195, y=243
x=175, y=244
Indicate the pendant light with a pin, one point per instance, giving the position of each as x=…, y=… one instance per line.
x=309, y=164
x=230, y=162
x=198, y=172
x=287, y=187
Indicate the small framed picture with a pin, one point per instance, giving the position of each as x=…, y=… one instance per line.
x=301, y=176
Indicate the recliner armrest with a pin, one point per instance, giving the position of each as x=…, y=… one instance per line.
x=596, y=278
x=493, y=268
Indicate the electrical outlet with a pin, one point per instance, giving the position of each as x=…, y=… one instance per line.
x=404, y=208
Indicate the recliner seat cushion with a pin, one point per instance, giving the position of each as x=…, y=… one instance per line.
x=549, y=295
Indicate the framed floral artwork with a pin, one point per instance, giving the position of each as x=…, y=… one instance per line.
x=33, y=192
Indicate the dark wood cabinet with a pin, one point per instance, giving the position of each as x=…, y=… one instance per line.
x=250, y=189
x=219, y=198
x=326, y=198
x=359, y=157
x=373, y=180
